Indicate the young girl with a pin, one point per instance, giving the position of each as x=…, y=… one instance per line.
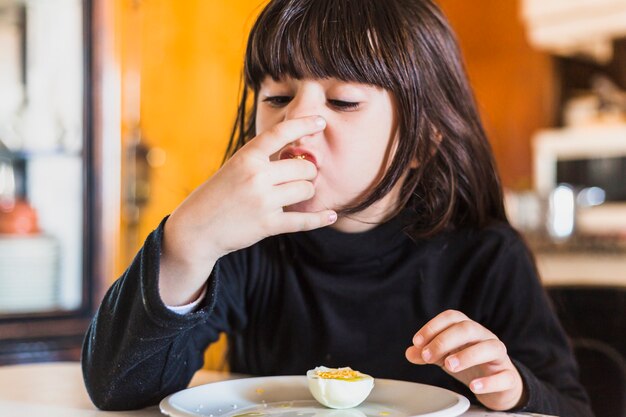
x=359, y=222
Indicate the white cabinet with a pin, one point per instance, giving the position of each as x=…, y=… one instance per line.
x=59, y=173
x=582, y=268
x=571, y=27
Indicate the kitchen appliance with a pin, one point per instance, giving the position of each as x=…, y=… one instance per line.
x=591, y=161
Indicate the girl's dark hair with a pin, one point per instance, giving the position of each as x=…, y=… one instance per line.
x=408, y=48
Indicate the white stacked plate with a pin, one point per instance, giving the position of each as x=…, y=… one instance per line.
x=289, y=396
x=29, y=273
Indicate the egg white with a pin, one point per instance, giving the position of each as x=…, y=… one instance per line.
x=339, y=393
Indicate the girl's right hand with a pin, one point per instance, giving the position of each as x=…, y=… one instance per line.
x=239, y=206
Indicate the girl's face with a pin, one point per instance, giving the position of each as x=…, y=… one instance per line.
x=351, y=154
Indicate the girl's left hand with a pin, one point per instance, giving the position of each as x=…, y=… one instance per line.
x=472, y=354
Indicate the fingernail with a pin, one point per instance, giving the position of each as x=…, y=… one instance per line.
x=476, y=386
x=418, y=340
x=426, y=355
x=319, y=121
x=453, y=363
x=332, y=217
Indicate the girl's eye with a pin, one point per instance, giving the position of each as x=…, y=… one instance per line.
x=281, y=101
x=344, y=105
x=277, y=101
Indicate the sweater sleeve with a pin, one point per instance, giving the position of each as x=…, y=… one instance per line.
x=520, y=314
x=137, y=351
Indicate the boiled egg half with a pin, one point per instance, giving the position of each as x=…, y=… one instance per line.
x=339, y=387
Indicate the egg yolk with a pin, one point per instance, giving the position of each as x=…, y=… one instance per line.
x=345, y=374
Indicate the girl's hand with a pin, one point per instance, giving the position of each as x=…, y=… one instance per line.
x=239, y=206
x=473, y=355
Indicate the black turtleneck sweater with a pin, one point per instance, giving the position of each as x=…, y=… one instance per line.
x=293, y=302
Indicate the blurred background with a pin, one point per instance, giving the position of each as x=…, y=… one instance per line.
x=112, y=112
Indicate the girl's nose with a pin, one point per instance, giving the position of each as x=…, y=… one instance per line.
x=307, y=102
x=303, y=106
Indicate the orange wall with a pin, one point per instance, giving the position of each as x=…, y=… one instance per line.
x=514, y=84
x=189, y=55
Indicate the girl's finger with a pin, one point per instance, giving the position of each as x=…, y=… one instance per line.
x=414, y=355
x=454, y=338
x=491, y=350
x=288, y=170
x=498, y=382
x=436, y=325
x=293, y=192
x=282, y=134
x=291, y=222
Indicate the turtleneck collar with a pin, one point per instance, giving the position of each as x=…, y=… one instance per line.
x=330, y=246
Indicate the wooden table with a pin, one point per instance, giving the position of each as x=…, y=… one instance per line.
x=57, y=390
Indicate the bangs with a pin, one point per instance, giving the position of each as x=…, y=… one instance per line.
x=345, y=39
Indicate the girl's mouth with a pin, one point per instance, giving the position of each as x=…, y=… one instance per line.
x=296, y=153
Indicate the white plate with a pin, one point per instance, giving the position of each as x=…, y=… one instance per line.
x=289, y=396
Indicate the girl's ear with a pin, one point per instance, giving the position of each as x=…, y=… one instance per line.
x=437, y=139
